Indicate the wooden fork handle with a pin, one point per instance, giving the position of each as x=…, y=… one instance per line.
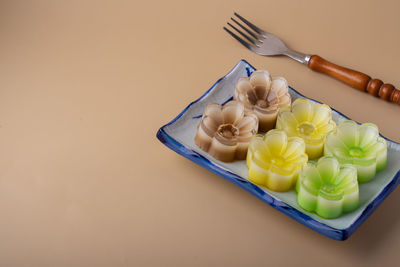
x=355, y=79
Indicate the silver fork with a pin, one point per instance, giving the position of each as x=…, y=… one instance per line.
x=264, y=43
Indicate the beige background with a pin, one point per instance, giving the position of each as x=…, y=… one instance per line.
x=84, y=86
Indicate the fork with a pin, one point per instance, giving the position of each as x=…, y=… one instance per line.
x=267, y=44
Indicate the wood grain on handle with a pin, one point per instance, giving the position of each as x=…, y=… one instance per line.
x=355, y=79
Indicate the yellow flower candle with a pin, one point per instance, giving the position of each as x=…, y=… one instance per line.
x=274, y=160
x=309, y=122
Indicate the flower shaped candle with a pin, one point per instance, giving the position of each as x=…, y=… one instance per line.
x=328, y=188
x=225, y=131
x=263, y=95
x=359, y=145
x=308, y=121
x=274, y=160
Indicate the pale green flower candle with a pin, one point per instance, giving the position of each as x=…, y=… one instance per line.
x=328, y=188
x=359, y=145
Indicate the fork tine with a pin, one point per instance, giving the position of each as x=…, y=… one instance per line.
x=252, y=26
x=247, y=30
x=243, y=42
x=244, y=35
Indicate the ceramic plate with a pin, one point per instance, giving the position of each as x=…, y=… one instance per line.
x=179, y=136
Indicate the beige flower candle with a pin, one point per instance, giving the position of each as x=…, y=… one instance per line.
x=264, y=96
x=225, y=131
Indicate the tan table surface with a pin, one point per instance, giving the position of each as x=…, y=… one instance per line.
x=84, y=86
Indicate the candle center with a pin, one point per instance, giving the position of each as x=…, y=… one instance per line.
x=306, y=128
x=355, y=152
x=262, y=103
x=228, y=131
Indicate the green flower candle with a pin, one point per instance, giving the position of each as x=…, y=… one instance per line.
x=359, y=145
x=274, y=160
x=328, y=188
x=308, y=121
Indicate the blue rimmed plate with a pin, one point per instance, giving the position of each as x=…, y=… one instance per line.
x=179, y=136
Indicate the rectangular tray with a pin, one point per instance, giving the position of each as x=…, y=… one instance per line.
x=179, y=134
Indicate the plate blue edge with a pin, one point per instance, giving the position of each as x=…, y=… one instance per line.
x=336, y=234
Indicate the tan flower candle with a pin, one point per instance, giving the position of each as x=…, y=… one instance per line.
x=225, y=131
x=264, y=96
